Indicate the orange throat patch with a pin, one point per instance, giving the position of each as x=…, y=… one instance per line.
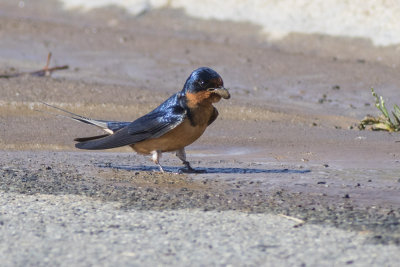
x=202, y=98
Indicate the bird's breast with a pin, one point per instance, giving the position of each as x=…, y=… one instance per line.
x=179, y=137
x=183, y=135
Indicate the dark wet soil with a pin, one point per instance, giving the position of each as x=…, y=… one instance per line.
x=142, y=188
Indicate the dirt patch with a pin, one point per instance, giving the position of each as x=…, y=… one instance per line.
x=146, y=189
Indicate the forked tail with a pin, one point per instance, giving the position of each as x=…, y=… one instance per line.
x=108, y=126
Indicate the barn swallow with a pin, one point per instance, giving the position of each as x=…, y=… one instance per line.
x=176, y=123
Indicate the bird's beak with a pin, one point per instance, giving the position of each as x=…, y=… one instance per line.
x=223, y=92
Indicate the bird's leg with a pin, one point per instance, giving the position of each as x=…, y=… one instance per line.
x=181, y=154
x=156, y=156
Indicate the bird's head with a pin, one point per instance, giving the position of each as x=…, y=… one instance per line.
x=204, y=85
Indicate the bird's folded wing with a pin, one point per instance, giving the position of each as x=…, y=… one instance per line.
x=153, y=125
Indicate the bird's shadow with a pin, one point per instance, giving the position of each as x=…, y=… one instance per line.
x=202, y=170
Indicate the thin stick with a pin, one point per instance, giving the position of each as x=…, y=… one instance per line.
x=300, y=221
x=46, y=71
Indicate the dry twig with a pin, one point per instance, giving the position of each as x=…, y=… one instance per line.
x=46, y=71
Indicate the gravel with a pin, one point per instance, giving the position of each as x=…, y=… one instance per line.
x=73, y=212
x=70, y=230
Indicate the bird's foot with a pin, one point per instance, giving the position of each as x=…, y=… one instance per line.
x=189, y=169
x=161, y=168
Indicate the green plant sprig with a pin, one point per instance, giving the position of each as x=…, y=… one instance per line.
x=384, y=122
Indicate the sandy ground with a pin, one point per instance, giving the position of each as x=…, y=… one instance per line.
x=285, y=144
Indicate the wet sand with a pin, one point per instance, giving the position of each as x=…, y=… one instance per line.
x=285, y=143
